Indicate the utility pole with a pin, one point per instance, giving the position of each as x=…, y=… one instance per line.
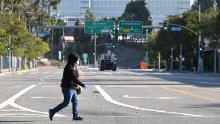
x=9, y=53
x=159, y=62
x=51, y=53
x=215, y=50
x=215, y=59
x=63, y=45
x=95, y=51
x=181, y=57
x=199, y=54
x=171, y=60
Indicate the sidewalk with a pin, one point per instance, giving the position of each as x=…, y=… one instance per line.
x=6, y=71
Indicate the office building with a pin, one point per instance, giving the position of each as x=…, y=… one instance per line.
x=159, y=9
x=108, y=8
x=69, y=10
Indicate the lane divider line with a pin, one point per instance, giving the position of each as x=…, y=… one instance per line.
x=13, y=98
x=206, y=98
x=11, y=101
x=109, y=99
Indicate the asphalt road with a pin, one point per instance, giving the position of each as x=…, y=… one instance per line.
x=121, y=97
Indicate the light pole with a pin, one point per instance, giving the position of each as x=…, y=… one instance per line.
x=95, y=51
x=9, y=54
x=181, y=57
x=171, y=60
x=199, y=43
x=63, y=45
x=199, y=54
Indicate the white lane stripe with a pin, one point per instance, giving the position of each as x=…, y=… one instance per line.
x=13, y=98
x=11, y=101
x=109, y=99
x=30, y=110
x=162, y=98
x=26, y=109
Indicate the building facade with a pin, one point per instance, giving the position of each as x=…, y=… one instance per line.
x=159, y=9
x=70, y=10
x=108, y=8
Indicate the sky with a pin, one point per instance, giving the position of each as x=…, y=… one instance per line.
x=191, y=2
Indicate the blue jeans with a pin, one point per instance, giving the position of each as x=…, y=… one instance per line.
x=68, y=94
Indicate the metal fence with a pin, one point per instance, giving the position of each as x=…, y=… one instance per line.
x=12, y=63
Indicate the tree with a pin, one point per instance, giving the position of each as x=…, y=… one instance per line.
x=89, y=15
x=205, y=4
x=151, y=48
x=3, y=42
x=36, y=48
x=168, y=39
x=215, y=44
x=217, y=25
x=21, y=42
x=136, y=11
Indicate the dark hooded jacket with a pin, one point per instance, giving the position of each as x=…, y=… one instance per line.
x=70, y=74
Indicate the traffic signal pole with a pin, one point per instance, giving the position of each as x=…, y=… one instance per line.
x=199, y=54
x=95, y=52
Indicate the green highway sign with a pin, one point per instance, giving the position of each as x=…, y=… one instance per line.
x=131, y=27
x=99, y=27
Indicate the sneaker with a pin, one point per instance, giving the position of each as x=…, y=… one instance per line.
x=78, y=118
x=51, y=114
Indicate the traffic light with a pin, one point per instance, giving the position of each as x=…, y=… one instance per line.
x=116, y=33
x=165, y=25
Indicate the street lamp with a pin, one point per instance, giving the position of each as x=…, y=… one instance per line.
x=95, y=50
x=199, y=43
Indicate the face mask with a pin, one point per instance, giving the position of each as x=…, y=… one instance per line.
x=77, y=63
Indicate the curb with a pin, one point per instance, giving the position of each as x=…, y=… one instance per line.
x=17, y=72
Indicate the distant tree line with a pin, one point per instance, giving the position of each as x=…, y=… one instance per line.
x=18, y=20
x=166, y=39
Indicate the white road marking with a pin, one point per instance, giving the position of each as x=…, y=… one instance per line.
x=13, y=98
x=11, y=101
x=162, y=98
x=109, y=99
